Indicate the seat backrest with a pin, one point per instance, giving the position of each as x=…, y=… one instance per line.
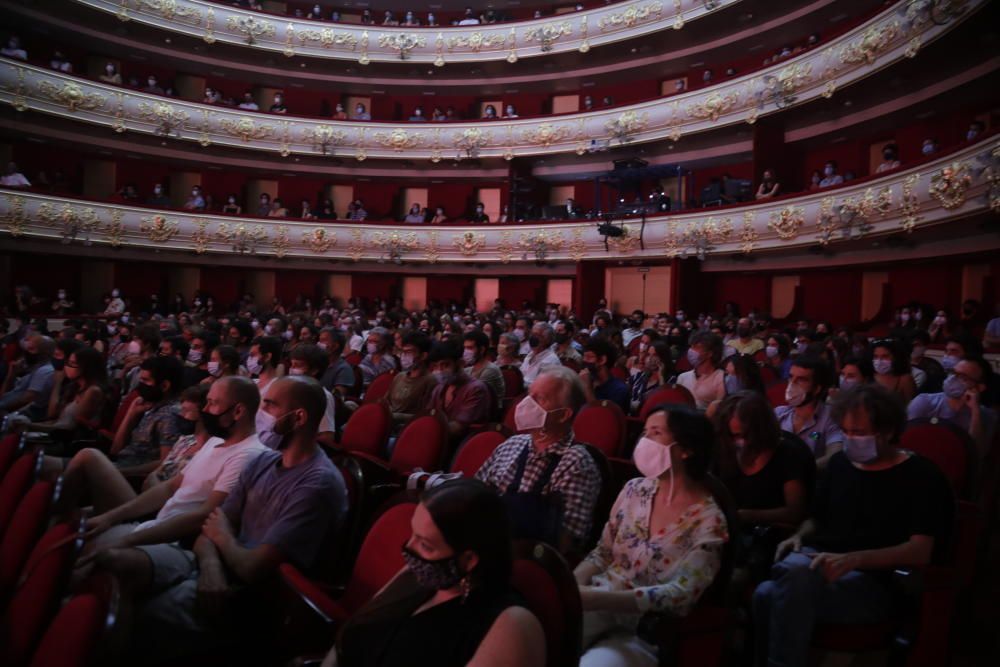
x=665, y=395
x=947, y=446
x=508, y=416
x=342, y=545
x=767, y=375
x=24, y=530
x=36, y=598
x=353, y=358
x=420, y=445
x=474, y=452
x=544, y=580
x=72, y=638
x=380, y=556
x=605, y=497
x=513, y=381
x=601, y=424
x=776, y=394
x=123, y=407
x=379, y=387
x=716, y=592
x=10, y=446
x=572, y=364
x=367, y=430
x=13, y=487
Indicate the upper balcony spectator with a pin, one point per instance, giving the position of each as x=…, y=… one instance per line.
x=264, y=208
x=306, y=212
x=815, y=179
x=316, y=13
x=196, y=202
x=277, y=209
x=111, y=74
x=326, y=211
x=431, y=21
x=248, y=103
x=366, y=17
x=830, y=175
x=389, y=19
x=588, y=102
x=437, y=115
x=356, y=211
x=930, y=146
x=339, y=113
x=60, y=63
x=410, y=20
x=127, y=195
x=469, y=18
x=439, y=216
x=212, y=96
x=890, y=159
x=231, y=207
x=706, y=77
x=976, y=128
x=14, y=178
x=490, y=112
x=361, y=113
x=152, y=86
x=279, y=104
x=415, y=215
x=510, y=112
x=480, y=215
x=335, y=16
x=13, y=49
x=159, y=198
x=449, y=114
x=769, y=186
x=418, y=116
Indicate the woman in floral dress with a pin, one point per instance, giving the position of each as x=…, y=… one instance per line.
x=662, y=545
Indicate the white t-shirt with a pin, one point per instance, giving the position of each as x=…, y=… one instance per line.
x=213, y=468
x=705, y=389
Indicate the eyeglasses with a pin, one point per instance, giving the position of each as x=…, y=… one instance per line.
x=71, y=365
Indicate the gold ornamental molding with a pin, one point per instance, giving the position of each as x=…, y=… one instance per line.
x=955, y=186
x=885, y=39
x=579, y=31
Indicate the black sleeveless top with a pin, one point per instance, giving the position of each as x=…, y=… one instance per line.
x=446, y=635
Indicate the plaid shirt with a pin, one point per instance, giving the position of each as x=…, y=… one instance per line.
x=576, y=477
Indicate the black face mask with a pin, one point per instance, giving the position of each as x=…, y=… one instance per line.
x=58, y=364
x=186, y=426
x=591, y=367
x=31, y=358
x=149, y=393
x=213, y=423
x=743, y=332
x=533, y=341
x=562, y=338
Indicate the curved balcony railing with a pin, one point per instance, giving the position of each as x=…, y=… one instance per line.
x=578, y=31
x=963, y=183
x=873, y=45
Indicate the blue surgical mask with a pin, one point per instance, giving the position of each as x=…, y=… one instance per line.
x=861, y=449
x=882, y=366
x=948, y=362
x=954, y=387
x=693, y=358
x=733, y=384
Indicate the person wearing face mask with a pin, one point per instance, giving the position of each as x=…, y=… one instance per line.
x=929, y=147
x=27, y=387
x=224, y=361
x=462, y=399
x=547, y=479
x=806, y=413
x=877, y=508
x=976, y=129
x=195, y=202
x=378, y=359
x=476, y=344
x=662, y=545
x=854, y=372
x=232, y=207
x=411, y=389
x=202, y=344
x=159, y=198
x=933, y=372
x=778, y=355
x=892, y=369
x=452, y=605
x=705, y=380
x=264, y=361
x=745, y=342
x=145, y=343
x=508, y=346
x=656, y=370
x=479, y=216
x=830, y=175
x=939, y=329
x=890, y=159
x=305, y=360
x=279, y=104
x=339, y=374
x=116, y=306
x=75, y=408
x=143, y=555
x=361, y=113
x=282, y=508
x=192, y=439
x=960, y=402
x=540, y=354
x=565, y=346
x=62, y=304
x=599, y=383
x=632, y=329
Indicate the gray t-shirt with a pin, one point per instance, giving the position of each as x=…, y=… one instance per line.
x=292, y=509
x=39, y=380
x=340, y=374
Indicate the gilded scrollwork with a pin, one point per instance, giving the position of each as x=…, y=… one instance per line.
x=241, y=237
x=432, y=253
x=505, y=248
x=168, y=119
x=158, y=229
x=115, y=229
x=71, y=96
x=280, y=241
x=327, y=38
x=949, y=185
x=545, y=134
x=246, y=128
x=547, y=35
x=909, y=203
x=867, y=47
x=250, y=27
x=15, y=217
x=319, y=240
x=477, y=41
x=323, y=137
x=397, y=139
x=469, y=243
x=577, y=246
x=787, y=222
x=471, y=140
x=200, y=236
x=626, y=125
x=170, y=10
x=402, y=43
x=713, y=106
x=70, y=220
x=748, y=233
x=356, y=248
x=631, y=16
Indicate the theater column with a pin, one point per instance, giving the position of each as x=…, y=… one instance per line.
x=589, y=287
x=771, y=152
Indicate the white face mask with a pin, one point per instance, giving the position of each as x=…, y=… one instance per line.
x=213, y=369
x=406, y=361
x=194, y=356
x=297, y=371
x=653, y=460
x=372, y=348
x=529, y=415
x=254, y=366
x=134, y=347
x=469, y=357
x=794, y=395
x=882, y=366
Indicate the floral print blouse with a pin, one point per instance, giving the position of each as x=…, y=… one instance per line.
x=668, y=571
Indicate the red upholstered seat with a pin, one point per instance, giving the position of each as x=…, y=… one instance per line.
x=601, y=424
x=508, y=415
x=544, y=580
x=13, y=487
x=9, y=447
x=682, y=365
x=768, y=375
x=674, y=394
x=947, y=446
x=36, y=598
x=776, y=394
x=353, y=358
x=379, y=387
x=24, y=530
x=475, y=451
x=120, y=413
x=420, y=445
x=367, y=430
x=513, y=381
x=73, y=636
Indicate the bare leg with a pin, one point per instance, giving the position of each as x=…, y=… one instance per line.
x=91, y=474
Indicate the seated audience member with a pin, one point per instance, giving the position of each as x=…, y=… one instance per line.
x=510, y=112
x=327, y=212
x=662, y=545
x=705, y=380
x=452, y=605
x=339, y=375
x=933, y=372
x=929, y=147
x=655, y=369
x=224, y=361
x=415, y=215
x=183, y=503
x=264, y=361
x=264, y=207
x=305, y=211
x=13, y=178
x=854, y=372
x=991, y=336
x=547, y=479
x=439, y=216
x=469, y=18
x=564, y=347
x=770, y=475
x=490, y=112
x=892, y=369
x=231, y=207
x=310, y=361
x=152, y=86
x=976, y=129
x=769, y=186
x=360, y=213
x=508, y=348
x=960, y=402
x=877, y=508
x=284, y=505
x=60, y=63
x=476, y=345
x=193, y=437
x=599, y=383
x=159, y=198
x=806, y=413
x=379, y=357
x=462, y=399
x=111, y=74
x=540, y=354
x=28, y=384
x=361, y=113
x=80, y=403
x=196, y=202
x=890, y=159
x=248, y=103
x=479, y=216
x=830, y=175
x=742, y=374
x=212, y=96
x=411, y=389
x=745, y=342
x=410, y=20
x=339, y=113
x=62, y=304
x=13, y=49
x=418, y=116
x=278, y=209
x=279, y=104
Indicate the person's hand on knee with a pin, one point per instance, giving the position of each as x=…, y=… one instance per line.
x=785, y=547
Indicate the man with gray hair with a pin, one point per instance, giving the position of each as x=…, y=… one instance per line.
x=379, y=357
x=29, y=394
x=547, y=479
x=541, y=355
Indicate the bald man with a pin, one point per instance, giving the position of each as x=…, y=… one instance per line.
x=29, y=394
